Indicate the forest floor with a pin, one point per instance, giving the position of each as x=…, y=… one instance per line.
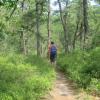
x=63, y=89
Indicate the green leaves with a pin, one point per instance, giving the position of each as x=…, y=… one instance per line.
x=24, y=78
x=10, y=3
x=83, y=68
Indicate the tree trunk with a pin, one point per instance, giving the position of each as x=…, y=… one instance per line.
x=63, y=21
x=23, y=37
x=37, y=29
x=74, y=41
x=23, y=43
x=85, y=19
x=78, y=21
x=81, y=35
x=48, y=23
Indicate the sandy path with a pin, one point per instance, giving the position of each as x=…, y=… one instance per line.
x=64, y=90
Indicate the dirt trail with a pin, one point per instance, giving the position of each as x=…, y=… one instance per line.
x=64, y=90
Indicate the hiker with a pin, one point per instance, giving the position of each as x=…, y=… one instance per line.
x=53, y=52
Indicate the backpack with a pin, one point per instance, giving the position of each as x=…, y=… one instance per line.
x=53, y=50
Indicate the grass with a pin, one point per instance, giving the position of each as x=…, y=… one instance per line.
x=24, y=78
x=83, y=68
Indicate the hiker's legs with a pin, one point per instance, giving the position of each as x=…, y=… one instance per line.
x=53, y=59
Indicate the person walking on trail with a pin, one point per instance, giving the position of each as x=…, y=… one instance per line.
x=53, y=52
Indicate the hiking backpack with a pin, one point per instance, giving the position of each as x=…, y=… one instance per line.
x=53, y=50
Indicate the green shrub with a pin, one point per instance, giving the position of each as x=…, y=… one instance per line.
x=94, y=86
x=92, y=68
x=72, y=64
x=24, y=78
x=82, y=67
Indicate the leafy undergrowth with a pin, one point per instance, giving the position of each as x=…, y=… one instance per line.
x=24, y=78
x=83, y=68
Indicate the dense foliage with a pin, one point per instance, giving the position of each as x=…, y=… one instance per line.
x=28, y=26
x=83, y=68
x=24, y=78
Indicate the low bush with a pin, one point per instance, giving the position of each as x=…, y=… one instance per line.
x=83, y=68
x=24, y=78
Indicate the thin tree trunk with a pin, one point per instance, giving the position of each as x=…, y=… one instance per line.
x=85, y=19
x=48, y=22
x=74, y=41
x=24, y=44
x=37, y=29
x=81, y=34
x=63, y=21
x=77, y=24
x=23, y=37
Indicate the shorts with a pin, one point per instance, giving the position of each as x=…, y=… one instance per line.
x=52, y=58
